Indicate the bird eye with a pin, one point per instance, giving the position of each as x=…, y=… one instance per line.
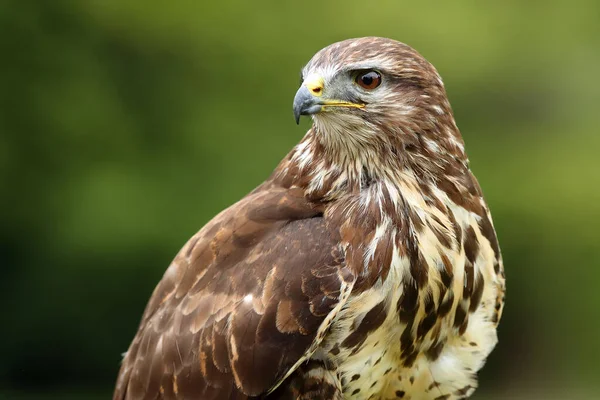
x=369, y=79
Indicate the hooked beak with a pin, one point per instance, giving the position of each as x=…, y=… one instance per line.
x=305, y=103
x=309, y=100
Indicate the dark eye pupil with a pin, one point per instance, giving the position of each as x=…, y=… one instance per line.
x=369, y=80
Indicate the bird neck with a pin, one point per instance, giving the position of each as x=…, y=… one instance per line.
x=328, y=168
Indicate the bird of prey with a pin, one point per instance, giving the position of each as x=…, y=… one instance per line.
x=365, y=267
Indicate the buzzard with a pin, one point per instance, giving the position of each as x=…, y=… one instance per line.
x=365, y=267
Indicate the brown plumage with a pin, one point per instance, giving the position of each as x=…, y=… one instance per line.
x=365, y=267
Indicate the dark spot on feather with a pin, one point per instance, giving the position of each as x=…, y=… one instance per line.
x=418, y=267
x=410, y=147
x=434, y=351
x=335, y=350
x=426, y=324
x=487, y=230
x=446, y=274
x=406, y=339
x=458, y=196
x=471, y=245
x=371, y=321
x=429, y=303
x=456, y=226
x=365, y=178
x=468, y=287
x=408, y=302
x=496, y=266
x=463, y=327
x=382, y=258
x=410, y=358
x=460, y=316
x=415, y=219
x=446, y=305
x=439, y=232
x=464, y=391
x=477, y=293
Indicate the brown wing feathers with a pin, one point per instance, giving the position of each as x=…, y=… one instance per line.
x=240, y=304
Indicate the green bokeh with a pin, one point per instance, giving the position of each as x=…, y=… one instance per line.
x=125, y=126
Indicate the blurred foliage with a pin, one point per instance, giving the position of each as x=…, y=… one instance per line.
x=125, y=126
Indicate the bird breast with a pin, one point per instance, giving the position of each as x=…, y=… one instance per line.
x=389, y=336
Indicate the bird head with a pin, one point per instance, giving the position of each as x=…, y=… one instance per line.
x=375, y=92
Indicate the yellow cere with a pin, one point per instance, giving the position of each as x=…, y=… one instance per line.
x=315, y=84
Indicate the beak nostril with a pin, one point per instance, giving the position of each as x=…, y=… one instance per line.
x=315, y=85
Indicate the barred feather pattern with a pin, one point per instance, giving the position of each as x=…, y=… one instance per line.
x=365, y=267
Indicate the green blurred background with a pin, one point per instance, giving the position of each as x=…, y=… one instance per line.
x=125, y=126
